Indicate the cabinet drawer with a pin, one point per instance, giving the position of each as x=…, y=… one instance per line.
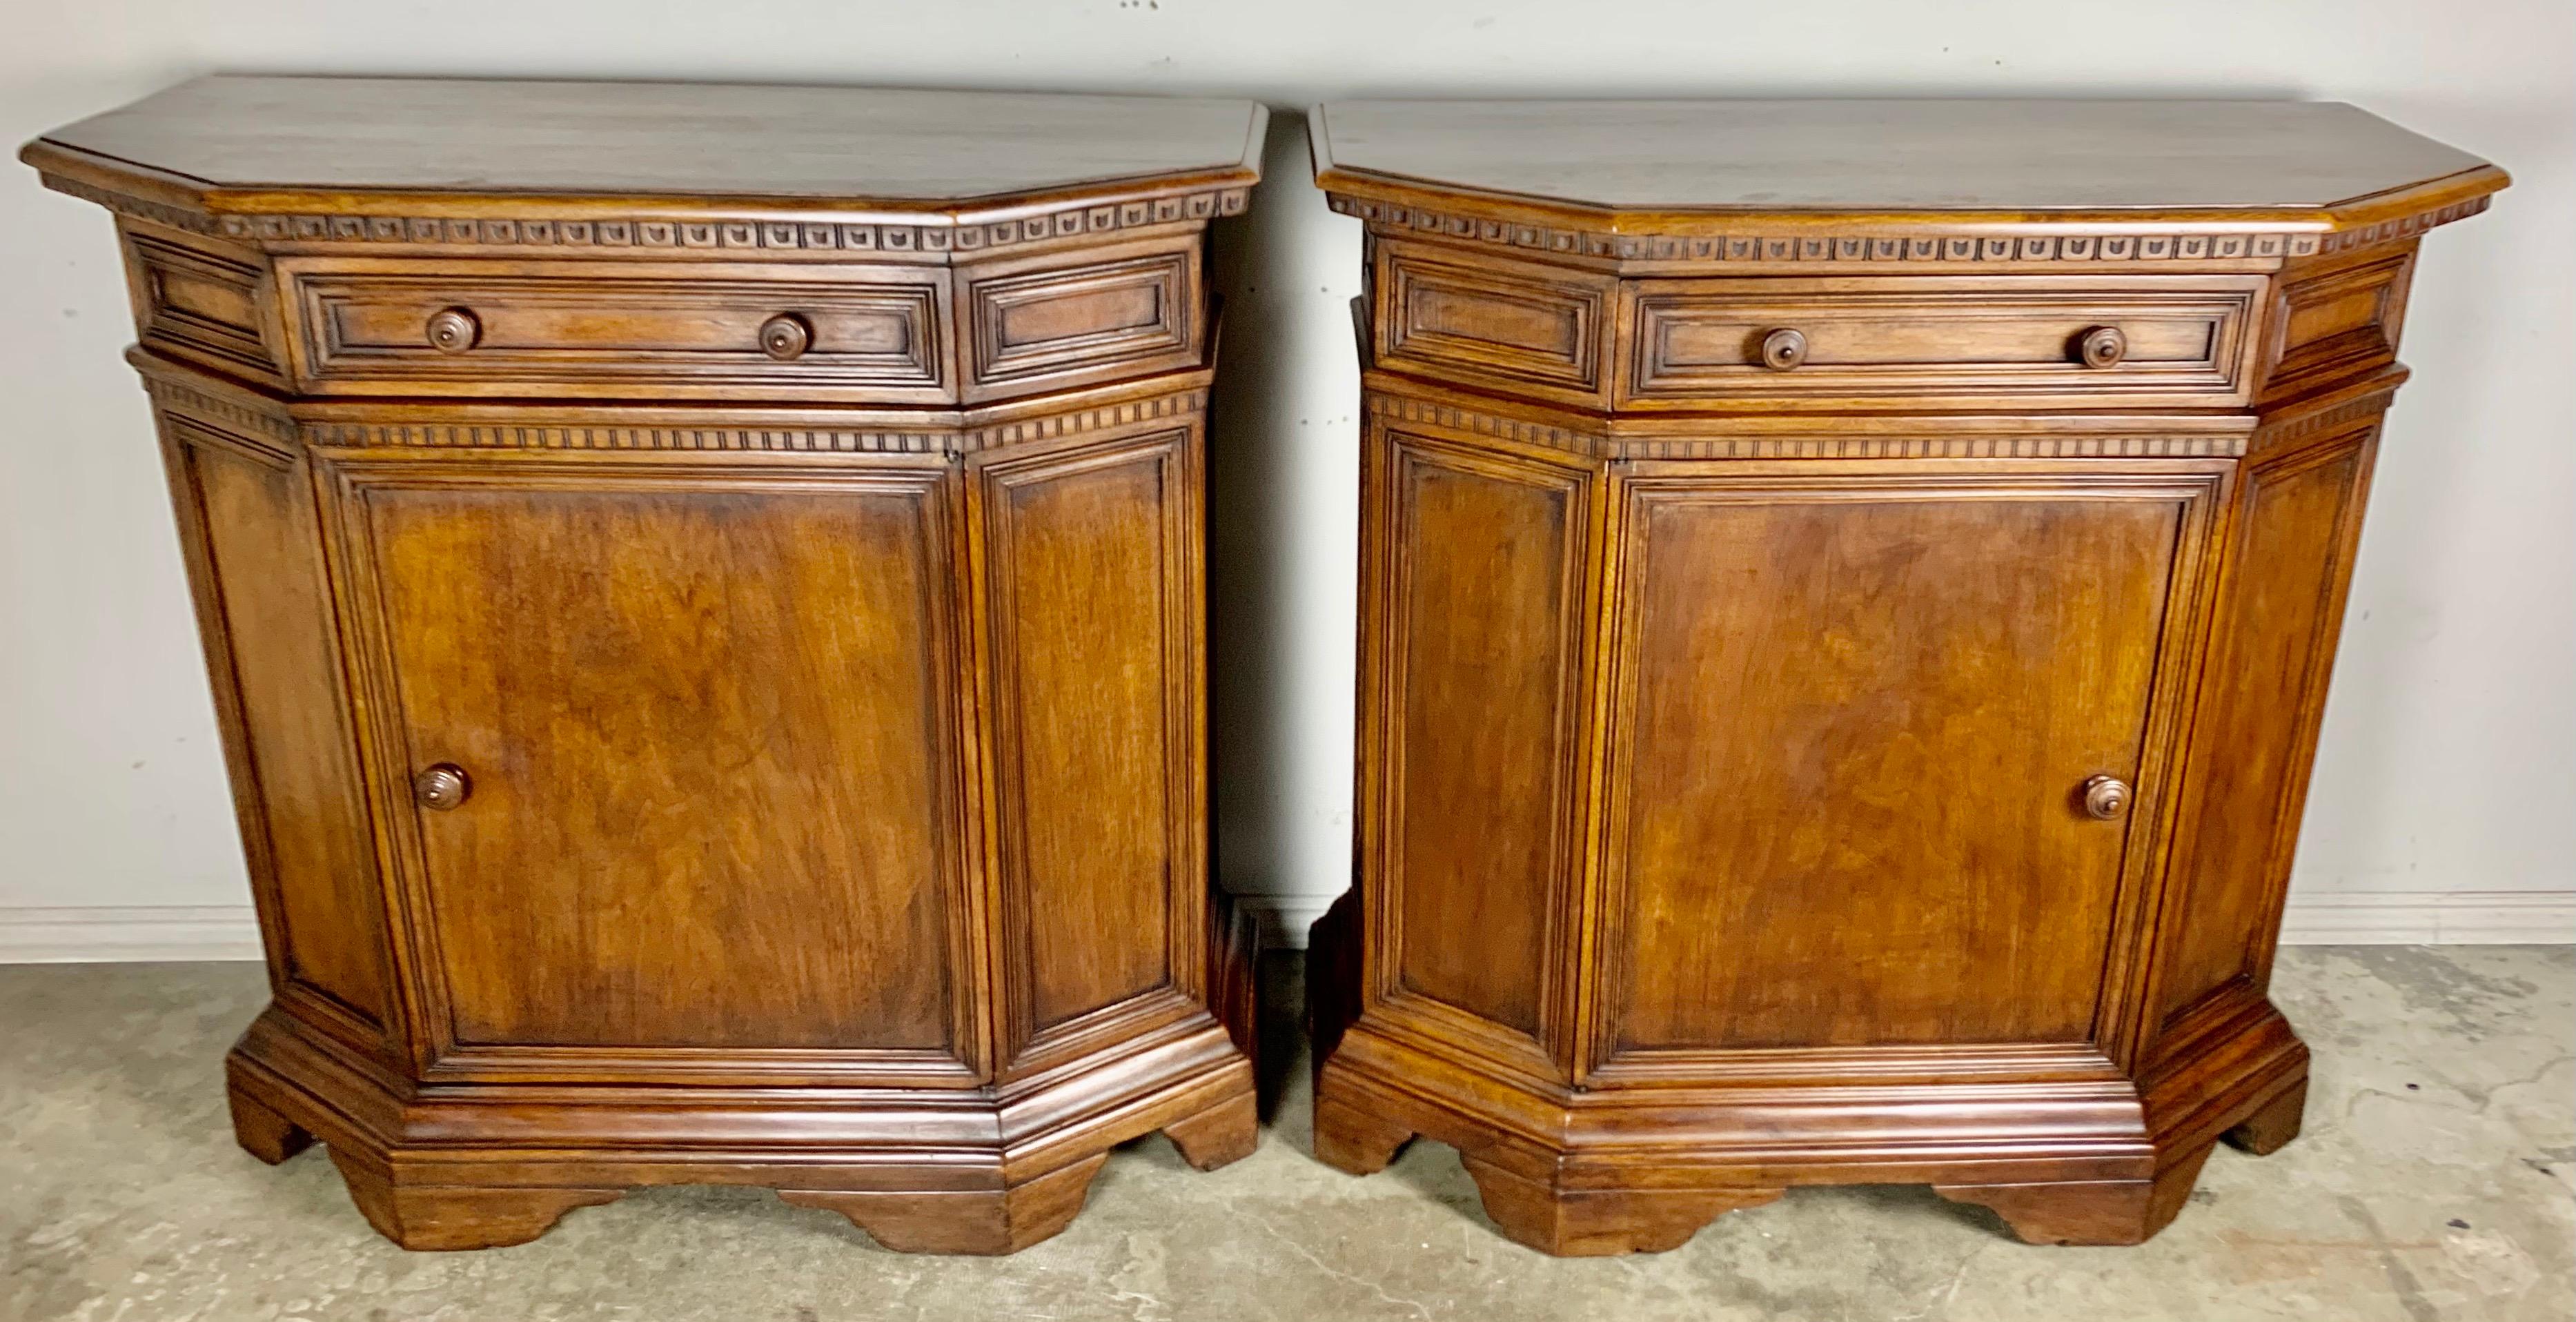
x=686, y=330
x=1993, y=342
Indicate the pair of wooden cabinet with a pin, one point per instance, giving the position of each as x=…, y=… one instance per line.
x=703, y=588
x=1847, y=594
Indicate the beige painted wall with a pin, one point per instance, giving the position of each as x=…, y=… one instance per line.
x=2442, y=790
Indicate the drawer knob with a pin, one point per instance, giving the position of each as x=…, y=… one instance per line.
x=2106, y=797
x=453, y=330
x=1783, y=349
x=441, y=787
x=2102, y=346
x=785, y=336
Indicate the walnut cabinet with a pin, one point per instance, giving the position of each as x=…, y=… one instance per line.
x=1847, y=594
x=703, y=593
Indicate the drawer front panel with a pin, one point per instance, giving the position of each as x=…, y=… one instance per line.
x=605, y=328
x=2181, y=341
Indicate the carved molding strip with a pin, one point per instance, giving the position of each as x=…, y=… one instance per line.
x=1398, y=409
x=1184, y=403
x=2365, y=408
x=510, y=436
x=514, y=436
x=178, y=397
x=159, y=213
x=1897, y=247
x=2389, y=230
x=677, y=234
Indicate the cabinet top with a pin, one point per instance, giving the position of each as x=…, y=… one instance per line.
x=384, y=146
x=1687, y=166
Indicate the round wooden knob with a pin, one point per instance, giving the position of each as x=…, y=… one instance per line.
x=785, y=336
x=441, y=787
x=453, y=330
x=1783, y=349
x=2102, y=346
x=2106, y=797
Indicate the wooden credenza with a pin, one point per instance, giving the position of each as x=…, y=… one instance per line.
x=703, y=593
x=1847, y=594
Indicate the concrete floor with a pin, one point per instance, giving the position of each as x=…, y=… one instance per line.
x=2437, y=1179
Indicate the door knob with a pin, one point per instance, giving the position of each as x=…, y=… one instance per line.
x=1784, y=348
x=2106, y=797
x=453, y=330
x=441, y=787
x=2102, y=346
x=785, y=336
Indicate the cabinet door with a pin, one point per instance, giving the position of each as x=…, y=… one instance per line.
x=705, y=717
x=1858, y=707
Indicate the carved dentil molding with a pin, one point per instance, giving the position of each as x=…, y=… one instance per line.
x=1909, y=248
x=677, y=234
x=1595, y=445
x=223, y=414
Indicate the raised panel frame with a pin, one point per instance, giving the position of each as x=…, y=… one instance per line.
x=1451, y=320
x=229, y=324
x=1089, y=282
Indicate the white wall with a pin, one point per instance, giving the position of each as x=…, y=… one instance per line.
x=2443, y=790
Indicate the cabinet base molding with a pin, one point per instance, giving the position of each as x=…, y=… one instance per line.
x=974, y=1171
x=1640, y=1169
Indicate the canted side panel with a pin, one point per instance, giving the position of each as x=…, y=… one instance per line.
x=1517, y=326
x=1860, y=712
x=1035, y=324
x=247, y=514
x=2296, y=527
x=1091, y=589
x=2335, y=318
x=1481, y=655
x=200, y=301
x=707, y=724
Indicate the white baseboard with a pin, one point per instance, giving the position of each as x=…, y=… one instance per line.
x=39, y=934
x=2431, y=918
x=1284, y=918
x=126, y=933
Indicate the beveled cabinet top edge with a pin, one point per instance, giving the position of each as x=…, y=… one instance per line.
x=1078, y=185
x=1487, y=194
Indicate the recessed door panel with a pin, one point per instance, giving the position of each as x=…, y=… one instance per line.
x=1862, y=710
x=1094, y=609
x=2296, y=527
x=1480, y=667
x=246, y=517
x=705, y=736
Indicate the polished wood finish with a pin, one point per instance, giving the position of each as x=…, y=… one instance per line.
x=1847, y=591
x=706, y=620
